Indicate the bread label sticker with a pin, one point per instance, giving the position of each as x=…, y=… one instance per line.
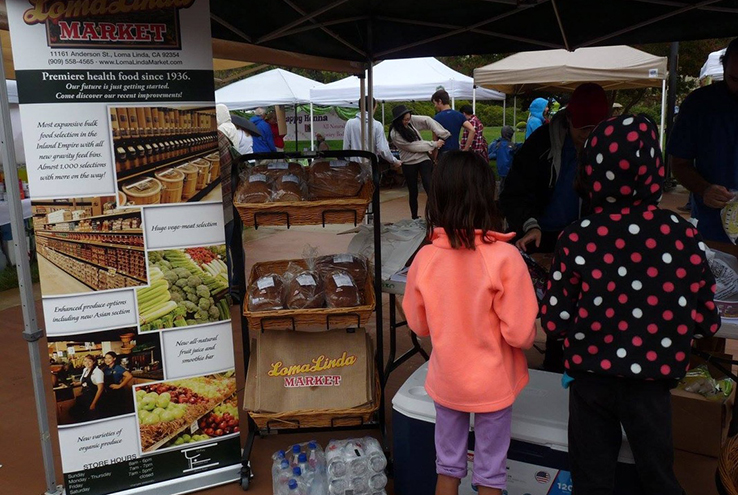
x=305, y=280
x=278, y=166
x=342, y=280
x=338, y=163
x=265, y=283
x=343, y=258
x=291, y=178
x=258, y=178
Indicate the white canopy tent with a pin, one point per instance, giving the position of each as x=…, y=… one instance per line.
x=404, y=80
x=713, y=67
x=274, y=87
x=612, y=67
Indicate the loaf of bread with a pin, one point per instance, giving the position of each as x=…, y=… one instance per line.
x=288, y=187
x=266, y=293
x=276, y=169
x=355, y=265
x=305, y=290
x=253, y=189
x=335, y=179
x=341, y=290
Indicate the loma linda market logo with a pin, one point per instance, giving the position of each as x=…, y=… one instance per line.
x=321, y=363
x=134, y=24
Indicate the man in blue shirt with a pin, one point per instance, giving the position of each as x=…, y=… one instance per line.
x=452, y=121
x=703, y=147
x=265, y=142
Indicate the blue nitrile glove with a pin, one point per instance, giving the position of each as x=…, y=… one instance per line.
x=566, y=380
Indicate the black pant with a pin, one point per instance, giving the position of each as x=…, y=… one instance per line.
x=411, y=177
x=597, y=408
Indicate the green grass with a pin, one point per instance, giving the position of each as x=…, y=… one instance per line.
x=9, y=276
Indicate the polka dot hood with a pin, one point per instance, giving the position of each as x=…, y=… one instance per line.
x=629, y=286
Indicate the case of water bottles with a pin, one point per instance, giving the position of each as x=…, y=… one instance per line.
x=356, y=467
x=347, y=467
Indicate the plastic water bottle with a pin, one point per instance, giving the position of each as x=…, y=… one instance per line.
x=337, y=486
x=281, y=476
x=308, y=473
x=378, y=481
x=375, y=454
x=359, y=485
x=296, y=450
x=336, y=464
x=278, y=456
x=294, y=488
x=316, y=457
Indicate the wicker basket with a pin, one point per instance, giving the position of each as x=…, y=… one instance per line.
x=282, y=319
x=320, y=418
x=728, y=467
x=321, y=212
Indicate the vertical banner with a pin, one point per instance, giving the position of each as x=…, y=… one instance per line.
x=118, y=116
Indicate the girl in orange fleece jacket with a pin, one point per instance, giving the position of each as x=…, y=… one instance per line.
x=471, y=292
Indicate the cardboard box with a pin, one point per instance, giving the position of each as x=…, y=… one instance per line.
x=699, y=425
x=59, y=216
x=696, y=473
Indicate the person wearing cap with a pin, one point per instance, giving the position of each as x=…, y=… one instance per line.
x=415, y=153
x=538, y=110
x=703, y=149
x=248, y=133
x=539, y=199
x=352, y=135
x=477, y=144
x=264, y=143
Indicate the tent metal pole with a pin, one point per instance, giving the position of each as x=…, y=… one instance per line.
x=31, y=332
x=312, y=130
x=453, y=102
x=663, y=113
x=370, y=111
x=382, y=112
x=474, y=99
x=515, y=115
x=362, y=110
x=297, y=141
x=504, y=110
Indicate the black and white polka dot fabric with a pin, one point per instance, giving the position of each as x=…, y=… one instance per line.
x=629, y=285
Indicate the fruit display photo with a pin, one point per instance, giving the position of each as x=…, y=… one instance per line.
x=178, y=412
x=188, y=287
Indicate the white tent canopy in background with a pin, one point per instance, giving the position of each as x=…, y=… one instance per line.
x=612, y=67
x=20, y=152
x=274, y=87
x=404, y=80
x=713, y=67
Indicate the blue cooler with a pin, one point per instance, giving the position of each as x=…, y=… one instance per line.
x=537, y=461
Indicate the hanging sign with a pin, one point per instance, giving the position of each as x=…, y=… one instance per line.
x=118, y=116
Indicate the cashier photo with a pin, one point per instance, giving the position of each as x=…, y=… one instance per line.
x=92, y=383
x=117, y=397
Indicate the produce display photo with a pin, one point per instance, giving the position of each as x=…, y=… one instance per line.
x=87, y=245
x=175, y=413
x=165, y=155
x=93, y=374
x=189, y=286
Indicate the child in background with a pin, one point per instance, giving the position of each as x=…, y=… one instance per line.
x=502, y=150
x=629, y=289
x=471, y=292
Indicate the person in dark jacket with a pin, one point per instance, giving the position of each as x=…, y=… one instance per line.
x=539, y=199
x=629, y=289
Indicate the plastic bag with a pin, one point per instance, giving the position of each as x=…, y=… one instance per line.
x=341, y=290
x=729, y=217
x=266, y=293
x=289, y=188
x=355, y=264
x=699, y=381
x=252, y=188
x=336, y=179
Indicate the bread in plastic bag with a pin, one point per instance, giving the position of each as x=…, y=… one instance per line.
x=266, y=293
x=336, y=179
x=305, y=290
x=252, y=188
x=355, y=265
x=288, y=188
x=277, y=168
x=340, y=290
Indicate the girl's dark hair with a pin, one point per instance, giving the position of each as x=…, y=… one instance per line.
x=462, y=198
x=113, y=355
x=406, y=132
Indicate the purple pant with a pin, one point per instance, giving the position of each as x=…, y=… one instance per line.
x=492, y=439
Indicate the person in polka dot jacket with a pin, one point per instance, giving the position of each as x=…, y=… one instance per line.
x=629, y=289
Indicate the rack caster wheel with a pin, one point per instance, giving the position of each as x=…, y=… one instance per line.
x=246, y=476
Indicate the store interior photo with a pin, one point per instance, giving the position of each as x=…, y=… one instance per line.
x=479, y=248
